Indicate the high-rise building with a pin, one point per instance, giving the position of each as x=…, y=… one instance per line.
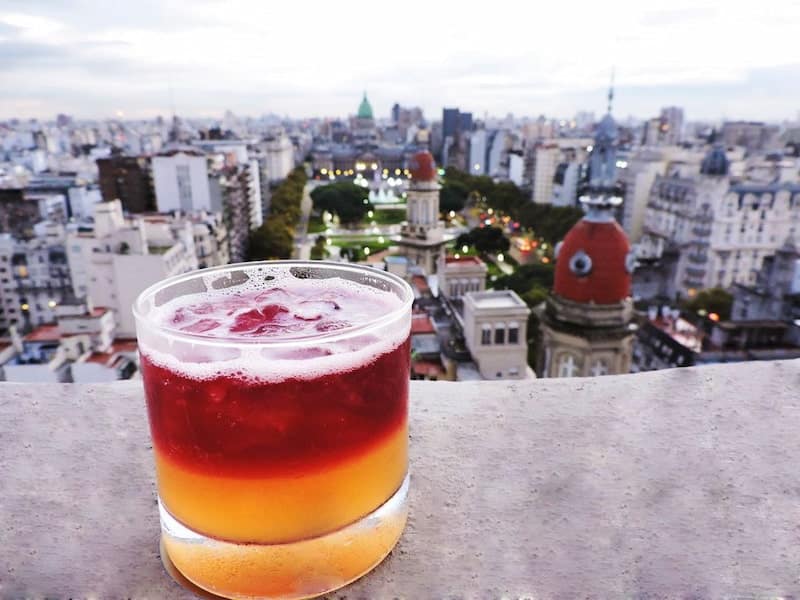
x=671, y=125
x=114, y=261
x=478, y=155
x=279, y=155
x=127, y=179
x=34, y=276
x=546, y=160
x=18, y=215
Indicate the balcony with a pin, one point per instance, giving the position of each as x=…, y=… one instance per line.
x=697, y=258
x=701, y=230
x=653, y=485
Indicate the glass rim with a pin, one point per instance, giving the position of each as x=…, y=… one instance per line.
x=328, y=336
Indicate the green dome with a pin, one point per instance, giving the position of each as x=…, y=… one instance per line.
x=365, y=108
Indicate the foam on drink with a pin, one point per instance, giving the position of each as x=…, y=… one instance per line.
x=283, y=327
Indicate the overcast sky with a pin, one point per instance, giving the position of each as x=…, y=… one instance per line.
x=724, y=59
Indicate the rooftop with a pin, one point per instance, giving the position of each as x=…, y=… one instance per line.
x=44, y=333
x=463, y=260
x=654, y=485
x=496, y=299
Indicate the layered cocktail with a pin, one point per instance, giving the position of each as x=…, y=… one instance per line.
x=277, y=395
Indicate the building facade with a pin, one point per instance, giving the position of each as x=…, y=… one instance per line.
x=422, y=235
x=495, y=332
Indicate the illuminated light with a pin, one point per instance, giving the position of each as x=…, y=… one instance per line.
x=452, y=213
x=465, y=248
x=323, y=171
x=589, y=148
x=360, y=166
x=25, y=306
x=397, y=171
x=386, y=171
x=405, y=171
x=490, y=211
x=374, y=166
x=370, y=214
x=52, y=304
x=545, y=260
x=331, y=177
x=329, y=242
x=544, y=246
x=621, y=164
x=381, y=240
x=477, y=166
x=366, y=250
x=500, y=257
x=338, y=171
x=488, y=221
x=457, y=256
x=713, y=316
x=440, y=171
x=692, y=292
x=366, y=201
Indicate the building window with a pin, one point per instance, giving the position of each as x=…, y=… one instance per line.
x=500, y=333
x=567, y=366
x=513, y=333
x=513, y=372
x=486, y=335
x=599, y=368
x=184, y=186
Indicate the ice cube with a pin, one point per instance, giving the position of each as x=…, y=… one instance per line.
x=314, y=310
x=201, y=326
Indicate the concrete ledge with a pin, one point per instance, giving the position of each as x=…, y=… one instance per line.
x=673, y=483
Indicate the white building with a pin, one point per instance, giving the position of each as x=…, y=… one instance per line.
x=546, y=159
x=458, y=276
x=115, y=261
x=181, y=182
x=565, y=184
x=279, y=154
x=516, y=168
x=34, y=276
x=723, y=230
x=477, y=152
x=495, y=331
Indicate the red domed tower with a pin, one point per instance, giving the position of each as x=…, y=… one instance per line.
x=586, y=323
x=422, y=235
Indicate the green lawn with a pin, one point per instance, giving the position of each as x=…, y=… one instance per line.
x=388, y=216
x=358, y=245
x=315, y=224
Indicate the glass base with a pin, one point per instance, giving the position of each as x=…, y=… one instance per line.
x=302, y=569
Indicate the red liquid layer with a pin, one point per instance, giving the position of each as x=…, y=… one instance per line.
x=229, y=426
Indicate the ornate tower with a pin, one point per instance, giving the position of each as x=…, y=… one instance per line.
x=586, y=321
x=422, y=236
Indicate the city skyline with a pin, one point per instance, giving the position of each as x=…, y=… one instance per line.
x=203, y=58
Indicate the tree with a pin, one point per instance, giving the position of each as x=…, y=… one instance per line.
x=453, y=196
x=713, y=300
x=551, y=223
x=320, y=250
x=485, y=239
x=526, y=280
x=273, y=240
x=345, y=199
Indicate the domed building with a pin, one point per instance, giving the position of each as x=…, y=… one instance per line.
x=365, y=135
x=586, y=323
x=422, y=236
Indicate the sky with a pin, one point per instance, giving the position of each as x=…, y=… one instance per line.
x=91, y=59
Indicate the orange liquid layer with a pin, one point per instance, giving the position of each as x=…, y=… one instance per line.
x=299, y=570
x=280, y=509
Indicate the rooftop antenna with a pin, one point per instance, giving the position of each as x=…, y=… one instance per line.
x=611, y=91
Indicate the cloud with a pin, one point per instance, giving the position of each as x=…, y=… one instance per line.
x=81, y=57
